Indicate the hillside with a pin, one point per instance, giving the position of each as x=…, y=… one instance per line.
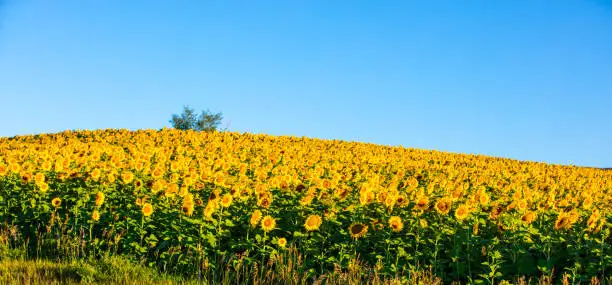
x=184, y=202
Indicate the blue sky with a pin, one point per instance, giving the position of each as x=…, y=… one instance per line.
x=525, y=79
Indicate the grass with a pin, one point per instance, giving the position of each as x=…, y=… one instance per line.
x=286, y=269
x=114, y=270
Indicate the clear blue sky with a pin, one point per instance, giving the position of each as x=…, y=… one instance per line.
x=524, y=79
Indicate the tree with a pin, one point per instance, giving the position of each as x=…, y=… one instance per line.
x=189, y=120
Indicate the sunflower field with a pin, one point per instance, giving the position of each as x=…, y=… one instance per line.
x=181, y=200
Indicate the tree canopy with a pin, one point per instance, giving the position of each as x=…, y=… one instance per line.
x=190, y=120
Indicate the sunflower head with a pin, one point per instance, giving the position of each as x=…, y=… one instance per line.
x=422, y=202
x=56, y=202
x=44, y=187
x=99, y=199
x=209, y=210
x=188, y=205
x=593, y=220
x=95, y=216
x=282, y=242
x=443, y=206
x=529, y=217
x=396, y=223
x=313, y=222
x=147, y=209
x=255, y=217
x=484, y=199
x=127, y=177
x=226, y=201
x=268, y=223
x=358, y=230
x=462, y=212
x=563, y=221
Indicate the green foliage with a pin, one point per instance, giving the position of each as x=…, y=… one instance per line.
x=189, y=120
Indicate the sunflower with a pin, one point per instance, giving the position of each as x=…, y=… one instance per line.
x=529, y=217
x=26, y=178
x=495, y=213
x=402, y=201
x=462, y=212
x=99, y=199
x=56, y=202
x=210, y=209
x=306, y=200
x=39, y=178
x=44, y=187
x=147, y=209
x=358, y=230
x=255, y=217
x=226, y=201
x=593, y=220
x=264, y=199
x=95, y=216
x=3, y=169
x=422, y=202
x=127, y=177
x=443, y=206
x=484, y=199
x=171, y=190
x=188, y=204
x=313, y=222
x=396, y=223
x=268, y=223
x=563, y=221
x=282, y=242
x=390, y=201
x=522, y=205
x=15, y=167
x=157, y=173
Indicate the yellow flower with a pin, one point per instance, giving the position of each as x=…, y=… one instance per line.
x=396, y=223
x=522, y=205
x=255, y=217
x=226, y=201
x=462, y=212
x=95, y=216
x=210, y=209
x=99, y=199
x=14, y=167
x=147, y=209
x=56, y=202
x=188, y=204
x=443, y=206
x=95, y=174
x=268, y=223
x=593, y=220
x=39, y=178
x=422, y=202
x=529, y=217
x=483, y=199
x=171, y=190
x=563, y=221
x=358, y=230
x=44, y=187
x=127, y=177
x=157, y=173
x=3, y=169
x=313, y=222
x=282, y=242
